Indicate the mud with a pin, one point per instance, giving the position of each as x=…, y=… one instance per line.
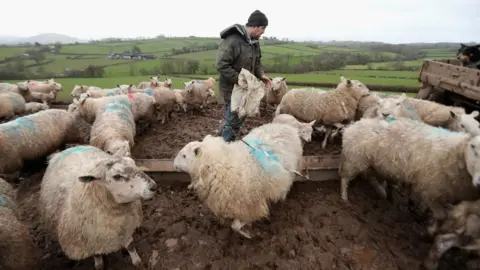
x=312, y=229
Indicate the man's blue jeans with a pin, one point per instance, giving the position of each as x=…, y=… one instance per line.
x=232, y=124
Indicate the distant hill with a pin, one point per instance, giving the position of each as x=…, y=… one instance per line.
x=44, y=38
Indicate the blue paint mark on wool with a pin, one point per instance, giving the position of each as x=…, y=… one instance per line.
x=18, y=125
x=268, y=160
x=14, y=101
x=3, y=202
x=5, y=84
x=76, y=149
x=121, y=110
x=148, y=91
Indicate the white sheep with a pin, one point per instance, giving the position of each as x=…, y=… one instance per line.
x=334, y=106
x=18, y=250
x=45, y=98
x=230, y=190
x=33, y=107
x=19, y=88
x=180, y=95
x=143, y=105
x=90, y=202
x=80, y=89
x=113, y=130
x=304, y=129
x=108, y=92
x=395, y=107
x=11, y=104
x=151, y=84
x=46, y=86
x=165, y=100
x=197, y=93
x=278, y=89
x=440, y=165
x=37, y=135
x=168, y=83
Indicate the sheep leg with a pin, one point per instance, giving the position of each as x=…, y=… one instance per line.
x=442, y=243
x=237, y=227
x=327, y=134
x=98, y=260
x=130, y=247
x=379, y=188
x=438, y=214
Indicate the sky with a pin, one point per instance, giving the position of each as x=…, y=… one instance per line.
x=391, y=21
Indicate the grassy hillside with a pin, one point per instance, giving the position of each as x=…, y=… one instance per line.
x=378, y=63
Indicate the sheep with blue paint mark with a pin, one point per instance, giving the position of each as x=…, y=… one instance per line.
x=80, y=89
x=259, y=170
x=37, y=135
x=108, y=92
x=113, y=130
x=18, y=250
x=443, y=167
x=143, y=106
x=90, y=202
x=11, y=104
x=393, y=107
x=19, y=88
x=197, y=93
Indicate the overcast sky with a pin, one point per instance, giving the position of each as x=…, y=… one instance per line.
x=393, y=21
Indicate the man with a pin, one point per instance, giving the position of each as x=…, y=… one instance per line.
x=239, y=49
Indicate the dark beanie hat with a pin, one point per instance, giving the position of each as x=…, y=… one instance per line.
x=257, y=18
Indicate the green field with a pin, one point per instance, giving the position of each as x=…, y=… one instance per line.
x=183, y=50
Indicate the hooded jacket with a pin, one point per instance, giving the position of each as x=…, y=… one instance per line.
x=236, y=51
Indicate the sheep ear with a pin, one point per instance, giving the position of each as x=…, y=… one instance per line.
x=349, y=82
x=474, y=113
x=452, y=114
x=311, y=123
x=98, y=172
x=118, y=85
x=197, y=151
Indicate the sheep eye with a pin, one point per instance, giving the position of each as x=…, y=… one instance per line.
x=117, y=177
x=184, y=156
x=462, y=126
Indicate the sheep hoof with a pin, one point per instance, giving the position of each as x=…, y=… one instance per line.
x=190, y=186
x=237, y=227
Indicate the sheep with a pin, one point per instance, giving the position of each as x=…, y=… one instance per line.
x=80, y=89
x=35, y=136
x=33, y=107
x=90, y=202
x=168, y=83
x=334, y=106
x=46, y=86
x=392, y=107
x=143, y=106
x=180, y=95
x=231, y=191
x=165, y=99
x=151, y=84
x=460, y=229
x=196, y=94
x=304, y=129
x=18, y=250
x=45, y=98
x=276, y=92
x=11, y=104
x=114, y=129
x=107, y=92
x=439, y=164
x=19, y=88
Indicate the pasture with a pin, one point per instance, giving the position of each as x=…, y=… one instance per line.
x=312, y=229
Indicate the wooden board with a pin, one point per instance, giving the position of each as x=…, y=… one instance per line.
x=318, y=168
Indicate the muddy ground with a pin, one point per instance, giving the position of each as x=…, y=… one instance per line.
x=313, y=229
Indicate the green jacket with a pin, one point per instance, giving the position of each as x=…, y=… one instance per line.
x=236, y=51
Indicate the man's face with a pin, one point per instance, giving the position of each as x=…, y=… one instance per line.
x=258, y=31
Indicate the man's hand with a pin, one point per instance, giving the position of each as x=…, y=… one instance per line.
x=266, y=80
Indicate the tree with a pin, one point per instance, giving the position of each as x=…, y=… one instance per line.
x=136, y=49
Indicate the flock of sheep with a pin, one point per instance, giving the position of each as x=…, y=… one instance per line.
x=90, y=195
